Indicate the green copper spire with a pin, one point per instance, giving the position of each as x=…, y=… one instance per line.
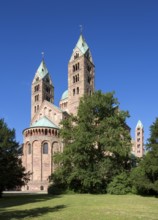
x=82, y=45
x=42, y=70
x=81, y=49
x=139, y=124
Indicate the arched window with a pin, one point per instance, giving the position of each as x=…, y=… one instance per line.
x=41, y=187
x=73, y=91
x=76, y=78
x=45, y=148
x=76, y=56
x=73, y=79
x=29, y=148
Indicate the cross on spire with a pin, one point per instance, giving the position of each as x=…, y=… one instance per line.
x=81, y=28
x=42, y=55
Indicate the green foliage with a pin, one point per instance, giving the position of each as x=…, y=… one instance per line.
x=59, y=184
x=145, y=176
x=55, y=189
x=152, y=144
x=12, y=173
x=120, y=185
x=97, y=145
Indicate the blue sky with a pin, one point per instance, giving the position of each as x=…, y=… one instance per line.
x=122, y=36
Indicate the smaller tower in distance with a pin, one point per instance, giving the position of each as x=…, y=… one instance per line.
x=139, y=140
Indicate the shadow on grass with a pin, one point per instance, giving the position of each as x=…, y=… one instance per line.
x=9, y=201
x=150, y=196
x=36, y=212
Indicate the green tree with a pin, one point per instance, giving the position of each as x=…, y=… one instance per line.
x=145, y=176
x=120, y=185
x=97, y=145
x=12, y=173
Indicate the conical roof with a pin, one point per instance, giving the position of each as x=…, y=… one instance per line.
x=139, y=124
x=42, y=70
x=82, y=45
x=44, y=122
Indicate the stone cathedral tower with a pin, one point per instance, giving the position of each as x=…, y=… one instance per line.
x=80, y=74
x=138, y=143
x=42, y=89
x=139, y=139
x=41, y=139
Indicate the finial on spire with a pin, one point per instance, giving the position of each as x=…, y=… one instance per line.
x=81, y=28
x=42, y=55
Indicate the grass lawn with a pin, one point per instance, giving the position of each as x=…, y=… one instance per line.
x=78, y=207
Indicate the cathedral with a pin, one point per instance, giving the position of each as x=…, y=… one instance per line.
x=41, y=139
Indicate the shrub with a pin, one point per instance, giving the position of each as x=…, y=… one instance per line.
x=56, y=189
x=120, y=185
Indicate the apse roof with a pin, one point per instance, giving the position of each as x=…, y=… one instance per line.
x=44, y=122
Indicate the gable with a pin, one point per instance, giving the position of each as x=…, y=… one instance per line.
x=49, y=110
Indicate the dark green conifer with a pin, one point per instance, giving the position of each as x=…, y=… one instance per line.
x=12, y=173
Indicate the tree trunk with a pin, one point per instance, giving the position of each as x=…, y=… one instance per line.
x=1, y=193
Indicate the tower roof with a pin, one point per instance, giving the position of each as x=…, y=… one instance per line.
x=42, y=71
x=139, y=124
x=82, y=45
x=44, y=122
x=80, y=49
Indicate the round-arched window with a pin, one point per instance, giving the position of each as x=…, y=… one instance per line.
x=45, y=148
x=29, y=148
x=41, y=187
